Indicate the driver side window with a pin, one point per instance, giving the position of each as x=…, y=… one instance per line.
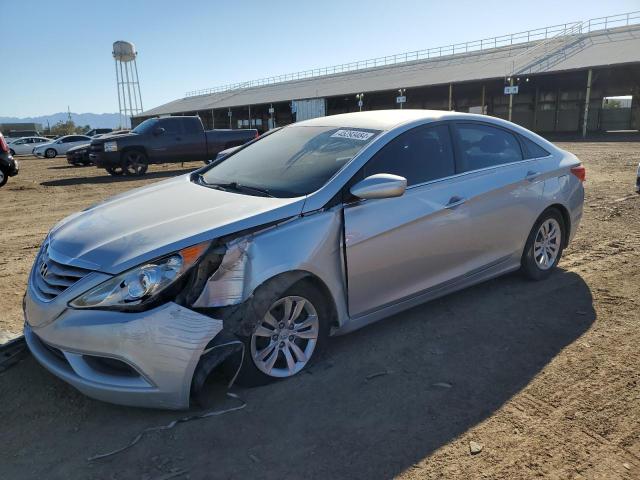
x=420, y=155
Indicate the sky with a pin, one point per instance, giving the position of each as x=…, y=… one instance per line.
x=58, y=54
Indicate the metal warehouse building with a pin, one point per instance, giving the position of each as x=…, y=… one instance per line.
x=563, y=75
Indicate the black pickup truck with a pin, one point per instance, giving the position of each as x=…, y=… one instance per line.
x=163, y=140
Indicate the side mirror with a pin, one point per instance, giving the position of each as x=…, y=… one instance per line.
x=381, y=185
x=159, y=131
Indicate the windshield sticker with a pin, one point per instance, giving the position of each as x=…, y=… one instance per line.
x=353, y=135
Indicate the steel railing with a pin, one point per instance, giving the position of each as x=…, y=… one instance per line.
x=538, y=35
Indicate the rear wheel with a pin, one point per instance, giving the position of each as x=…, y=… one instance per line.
x=293, y=329
x=544, y=245
x=135, y=163
x=50, y=153
x=3, y=177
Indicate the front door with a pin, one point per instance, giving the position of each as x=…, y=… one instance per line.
x=399, y=247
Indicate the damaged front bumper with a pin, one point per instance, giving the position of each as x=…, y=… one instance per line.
x=144, y=359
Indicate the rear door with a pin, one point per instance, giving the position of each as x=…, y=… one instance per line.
x=193, y=140
x=399, y=247
x=501, y=192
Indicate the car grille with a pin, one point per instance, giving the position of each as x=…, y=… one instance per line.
x=51, y=278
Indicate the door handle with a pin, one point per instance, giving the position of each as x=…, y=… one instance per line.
x=455, y=201
x=531, y=175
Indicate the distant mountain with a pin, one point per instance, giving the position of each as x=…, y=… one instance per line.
x=95, y=120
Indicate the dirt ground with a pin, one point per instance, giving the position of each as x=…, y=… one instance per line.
x=545, y=377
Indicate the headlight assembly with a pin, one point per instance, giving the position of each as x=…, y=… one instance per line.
x=142, y=283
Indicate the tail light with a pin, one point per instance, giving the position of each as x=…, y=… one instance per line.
x=3, y=144
x=580, y=172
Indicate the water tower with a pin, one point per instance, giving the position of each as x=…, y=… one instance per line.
x=129, y=97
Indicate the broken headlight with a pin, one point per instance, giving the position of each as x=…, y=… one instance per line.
x=142, y=283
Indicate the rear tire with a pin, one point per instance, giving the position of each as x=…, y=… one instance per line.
x=50, y=153
x=295, y=348
x=3, y=177
x=544, y=246
x=135, y=163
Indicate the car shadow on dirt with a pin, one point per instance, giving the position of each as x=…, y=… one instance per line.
x=64, y=182
x=378, y=401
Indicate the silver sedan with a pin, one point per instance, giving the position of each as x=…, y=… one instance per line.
x=315, y=230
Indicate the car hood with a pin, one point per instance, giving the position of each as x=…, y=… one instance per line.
x=114, y=136
x=153, y=221
x=79, y=147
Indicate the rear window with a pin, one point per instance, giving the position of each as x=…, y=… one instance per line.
x=485, y=146
x=532, y=149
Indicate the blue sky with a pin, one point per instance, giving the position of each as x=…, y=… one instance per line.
x=58, y=53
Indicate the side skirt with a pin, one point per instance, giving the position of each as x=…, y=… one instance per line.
x=496, y=269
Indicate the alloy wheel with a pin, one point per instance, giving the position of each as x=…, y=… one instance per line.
x=135, y=163
x=285, y=338
x=546, y=245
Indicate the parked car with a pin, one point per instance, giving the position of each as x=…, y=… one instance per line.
x=79, y=155
x=25, y=145
x=320, y=228
x=98, y=131
x=228, y=151
x=163, y=140
x=60, y=146
x=15, y=134
x=8, y=165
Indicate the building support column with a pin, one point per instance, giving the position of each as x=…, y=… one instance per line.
x=536, y=99
x=213, y=120
x=510, y=100
x=483, y=110
x=450, y=96
x=586, y=104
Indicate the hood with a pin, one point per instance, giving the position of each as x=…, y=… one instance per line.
x=115, y=136
x=79, y=147
x=153, y=221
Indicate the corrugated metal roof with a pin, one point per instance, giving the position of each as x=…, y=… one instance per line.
x=595, y=49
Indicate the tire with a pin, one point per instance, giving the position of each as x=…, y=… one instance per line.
x=544, y=246
x=135, y=163
x=115, y=171
x=50, y=153
x=253, y=372
x=12, y=152
x=3, y=177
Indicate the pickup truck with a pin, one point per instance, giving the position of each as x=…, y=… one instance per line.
x=163, y=140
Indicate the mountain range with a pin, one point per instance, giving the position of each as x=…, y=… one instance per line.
x=95, y=120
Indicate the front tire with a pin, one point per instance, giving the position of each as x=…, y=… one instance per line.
x=3, y=177
x=50, y=153
x=290, y=334
x=12, y=152
x=115, y=171
x=134, y=163
x=544, y=245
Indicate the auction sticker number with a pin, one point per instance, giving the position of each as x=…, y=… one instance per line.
x=353, y=135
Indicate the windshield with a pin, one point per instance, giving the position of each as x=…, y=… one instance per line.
x=292, y=162
x=146, y=126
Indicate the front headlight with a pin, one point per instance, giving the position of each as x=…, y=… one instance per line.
x=110, y=146
x=141, y=284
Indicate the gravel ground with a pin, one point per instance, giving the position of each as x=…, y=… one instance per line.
x=539, y=379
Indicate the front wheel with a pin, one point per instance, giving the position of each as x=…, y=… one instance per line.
x=12, y=152
x=544, y=246
x=293, y=329
x=3, y=177
x=115, y=171
x=50, y=153
x=135, y=163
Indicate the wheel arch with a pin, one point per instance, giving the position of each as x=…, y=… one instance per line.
x=137, y=148
x=566, y=218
